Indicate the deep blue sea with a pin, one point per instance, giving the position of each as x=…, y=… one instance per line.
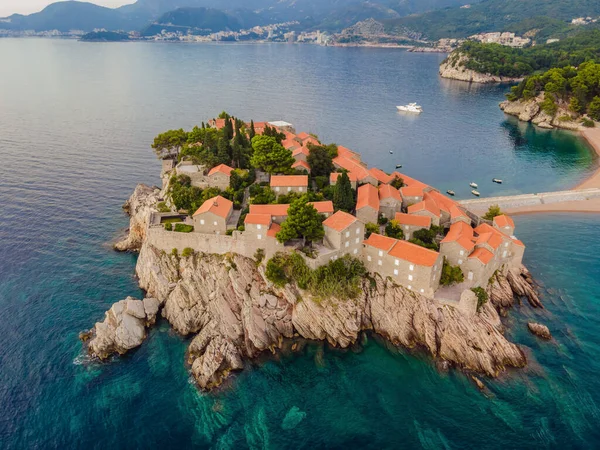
x=76, y=121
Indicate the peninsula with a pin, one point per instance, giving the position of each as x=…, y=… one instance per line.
x=260, y=236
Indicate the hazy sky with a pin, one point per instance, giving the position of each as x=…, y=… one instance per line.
x=8, y=7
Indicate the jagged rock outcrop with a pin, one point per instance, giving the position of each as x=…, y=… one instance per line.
x=454, y=68
x=236, y=314
x=123, y=328
x=139, y=207
x=539, y=330
x=531, y=111
x=522, y=285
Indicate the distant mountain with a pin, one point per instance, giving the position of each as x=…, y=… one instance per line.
x=332, y=15
x=543, y=18
x=72, y=15
x=194, y=21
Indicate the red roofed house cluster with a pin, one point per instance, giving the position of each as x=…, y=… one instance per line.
x=478, y=247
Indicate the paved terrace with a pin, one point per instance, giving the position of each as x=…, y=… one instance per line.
x=582, y=200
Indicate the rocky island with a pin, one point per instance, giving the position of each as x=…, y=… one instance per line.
x=300, y=240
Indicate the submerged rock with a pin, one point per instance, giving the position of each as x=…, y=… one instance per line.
x=123, y=328
x=539, y=330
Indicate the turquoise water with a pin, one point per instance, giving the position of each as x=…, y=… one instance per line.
x=75, y=122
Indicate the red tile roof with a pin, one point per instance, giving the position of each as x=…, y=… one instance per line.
x=347, y=153
x=324, y=207
x=488, y=235
x=273, y=229
x=482, y=254
x=301, y=151
x=411, y=191
x=339, y=221
x=414, y=253
x=272, y=210
x=504, y=221
x=388, y=191
x=517, y=242
x=428, y=204
x=462, y=234
x=456, y=212
x=333, y=177
x=301, y=163
x=443, y=202
x=408, y=181
x=290, y=144
x=303, y=136
x=218, y=205
x=310, y=140
x=221, y=168
x=380, y=175
x=411, y=219
x=351, y=166
x=381, y=242
x=367, y=196
x=258, y=219
x=289, y=180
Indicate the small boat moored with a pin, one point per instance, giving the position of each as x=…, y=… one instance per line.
x=475, y=193
x=398, y=166
x=411, y=108
x=473, y=185
x=497, y=180
x=452, y=193
x=391, y=152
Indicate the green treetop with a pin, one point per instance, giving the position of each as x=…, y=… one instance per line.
x=493, y=211
x=270, y=156
x=343, y=196
x=303, y=222
x=169, y=142
x=320, y=160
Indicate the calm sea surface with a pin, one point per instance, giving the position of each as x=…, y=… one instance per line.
x=76, y=121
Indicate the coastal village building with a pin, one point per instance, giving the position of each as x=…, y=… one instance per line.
x=411, y=223
x=285, y=184
x=220, y=176
x=212, y=216
x=478, y=247
x=367, y=204
x=390, y=201
x=410, y=265
x=345, y=233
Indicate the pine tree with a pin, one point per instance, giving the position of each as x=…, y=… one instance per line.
x=303, y=221
x=343, y=196
x=228, y=129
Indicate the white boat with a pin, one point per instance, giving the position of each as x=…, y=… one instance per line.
x=473, y=185
x=452, y=193
x=497, y=180
x=411, y=108
x=475, y=193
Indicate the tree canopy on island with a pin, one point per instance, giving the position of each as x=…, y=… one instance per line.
x=169, y=143
x=303, y=222
x=270, y=156
x=343, y=195
x=320, y=159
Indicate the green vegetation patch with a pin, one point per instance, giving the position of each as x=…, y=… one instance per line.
x=183, y=228
x=482, y=297
x=451, y=274
x=340, y=278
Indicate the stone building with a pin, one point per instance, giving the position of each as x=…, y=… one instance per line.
x=345, y=233
x=505, y=224
x=409, y=265
x=428, y=207
x=390, y=201
x=367, y=203
x=411, y=223
x=220, y=176
x=333, y=178
x=285, y=184
x=212, y=216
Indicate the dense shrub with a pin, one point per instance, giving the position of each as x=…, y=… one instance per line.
x=187, y=252
x=482, y=297
x=168, y=227
x=259, y=255
x=371, y=228
x=394, y=230
x=183, y=228
x=340, y=278
x=493, y=211
x=587, y=123
x=162, y=207
x=451, y=274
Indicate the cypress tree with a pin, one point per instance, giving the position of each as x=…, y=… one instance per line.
x=252, y=132
x=343, y=196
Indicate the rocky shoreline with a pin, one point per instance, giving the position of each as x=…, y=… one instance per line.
x=233, y=313
x=454, y=68
x=531, y=111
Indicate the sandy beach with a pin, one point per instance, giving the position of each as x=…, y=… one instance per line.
x=592, y=136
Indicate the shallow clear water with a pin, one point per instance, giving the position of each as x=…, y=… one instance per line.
x=75, y=124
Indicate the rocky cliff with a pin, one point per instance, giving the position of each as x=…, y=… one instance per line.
x=454, y=68
x=140, y=205
x=232, y=313
x=531, y=111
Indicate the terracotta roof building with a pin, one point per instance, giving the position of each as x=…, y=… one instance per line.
x=284, y=184
x=411, y=223
x=212, y=216
x=345, y=233
x=367, y=204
